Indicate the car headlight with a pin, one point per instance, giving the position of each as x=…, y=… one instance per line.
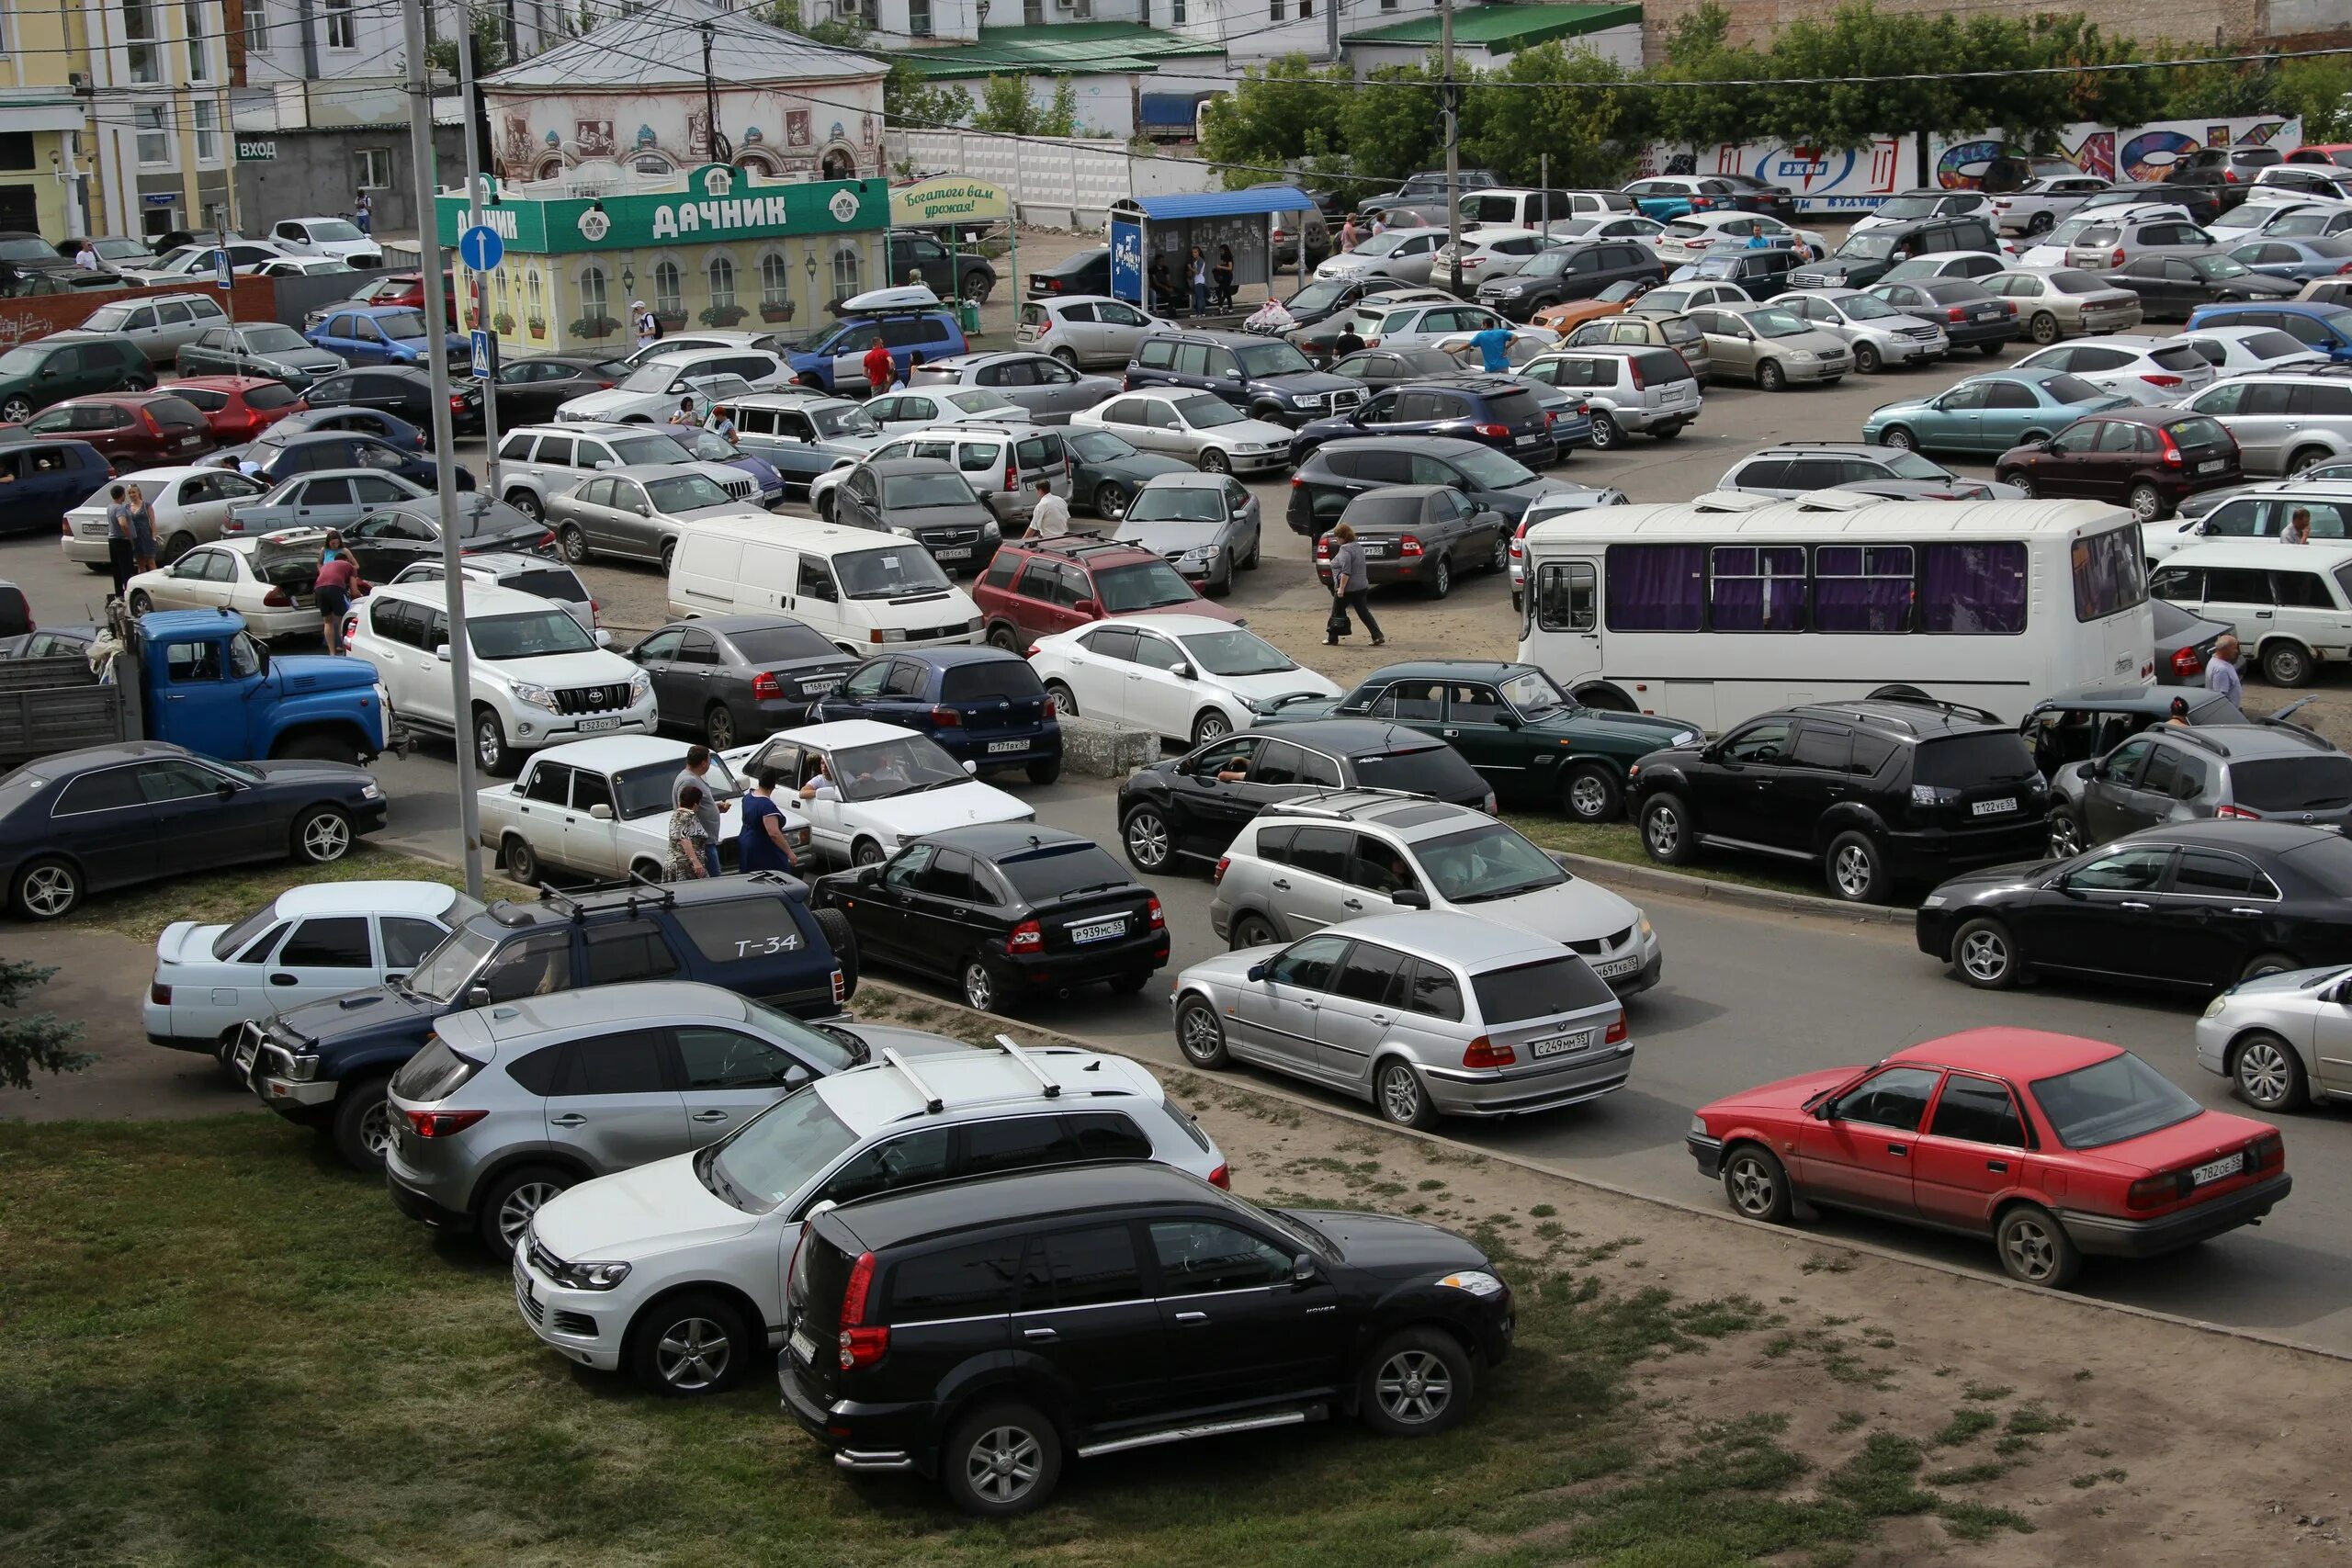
x=1477, y=1281
x=1934, y=901
x=641, y=688
x=590, y=1276
x=370, y=791
x=537, y=695
x=989, y=530
x=302, y=1068
x=1303, y=399
x=975, y=623
x=1200, y=556
x=1648, y=930
x=904, y=533
x=1698, y=1127
x=1687, y=737
x=2213, y=1009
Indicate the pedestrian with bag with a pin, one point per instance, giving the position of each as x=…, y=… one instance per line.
x=692, y=855
x=1351, y=589
x=648, y=325
x=336, y=586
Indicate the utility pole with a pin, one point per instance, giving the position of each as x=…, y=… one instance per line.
x=718, y=150
x=437, y=311
x=480, y=316
x=1452, y=142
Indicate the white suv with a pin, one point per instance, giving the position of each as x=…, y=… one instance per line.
x=673, y=1271
x=539, y=677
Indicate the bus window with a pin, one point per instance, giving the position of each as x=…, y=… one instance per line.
x=1657, y=588
x=1863, y=588
x=1564, y=596
x=1756, y=589
x=1981, y=589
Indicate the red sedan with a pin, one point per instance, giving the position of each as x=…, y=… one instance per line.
x=146, y=428
x=2051, y=1146
x=237, y=407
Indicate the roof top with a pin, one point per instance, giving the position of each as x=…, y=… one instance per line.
x=876, y=1094
x=1749, y=515
x=379, y=898
x=616, y=750
x=1224, y=203
x=1061, y=49
x=1000, y=840
x=598, y=1005
x=888, y=1219
x=2010, y=1053
x=1467, y=940
x=1354, y=734
x=2318, y=555
x=661, y=46
x=1505, y=27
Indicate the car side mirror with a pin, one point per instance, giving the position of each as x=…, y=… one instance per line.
x=793, y=1077
x=225, y=790
x=1409, y=899
x=1088, y=607
x=1259, y=970
x=601, y=813
x=972, y=768
x=1302, y=1269
x=441, y=652
x=477, y=995
x=603, y=637
x=1185, y=672
x=603, y=463
x=869, y=875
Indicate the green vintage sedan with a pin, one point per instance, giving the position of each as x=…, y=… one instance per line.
x=1978, y=414
x=1106, y=471
x=1534, y=743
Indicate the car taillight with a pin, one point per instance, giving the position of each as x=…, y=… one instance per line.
x=1011, y=475
x=947, y=717
x=149, y=419
x=1053, y=709
x=2152, y=1191
x=2265, y=1151
x=2011, y=306
x=1635, y=367
x=1220, y=1178
x=2116, y=259
x=766, y=687
x=2239, y=812
x=1295, y=481
x=546, y=542
x=276, y=599
x=1483, y=1053
x=1492, y=431
x=350, y=628
x=160, y=994
x=1323, y=546
x=2172, y=449
x=442, y=1123
x=2186, y=662
x=860, y=1345
x=841, y=989
x=1053, y=285
x=2161, y=380
x=2231, y=175
x=1155, y=918
x=1955, y=315
x=1551, y=418
x=1489, y=807
x=1372, y=343
x=1615, y=1034
x=1408, y=545
x=1127, y=382
x=1027, y=937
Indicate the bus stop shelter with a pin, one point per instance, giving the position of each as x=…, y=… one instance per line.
x=1146, y=229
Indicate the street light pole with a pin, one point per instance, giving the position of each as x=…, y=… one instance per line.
x=1453, y=143
x=437, y=311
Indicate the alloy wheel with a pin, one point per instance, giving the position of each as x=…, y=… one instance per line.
x=48, y=891
x=2265, y=1076
x=980, y=988
x=1853, y=871
x=2066, y=838
x=693, y=1354
x=1401, y=1094
x=1899, y=438
x=325, y=836
x=1587, y=796
x=1414, y=1387
x=1663, y=828
x=2032, y=1254
x=376, y=1129
x=521, y=1203
x=1753, y=1188
x=1985, y=954
x=1200, y=1035
x=1147, y=840
x=1002, y=1465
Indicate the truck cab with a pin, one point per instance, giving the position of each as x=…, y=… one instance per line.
x=209, y=684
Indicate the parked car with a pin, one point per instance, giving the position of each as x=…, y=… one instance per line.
x=1872, y=250
x=2057, y=302
x=733, y=678
x=833, y=359
x=656, y=386
x=1770, y=346
x=1672, y=299
x=539, y=463
x=388, y=539
x=1880, y=335
x=697, y=1255
x=1088, y=332
x=635, y=512
x=303, y=945
x=963, y=273
x=328, y=498
x=2109, y=1157
x=2286, y=606
x=2143, y=458
x=2273, y=1038
x=2323, y=326
x=1188, y=678
x=1367, y=299
x=524, y=572
x=1922, y=789
x=983, y=706
x=1573, y=271
x=1205, y=526
x=2284, y=422
x=114, y=251
x=1082, y=273
x=327, y=237
x=387, y=334
x=68, y=365
x=1489, y=251
x=1401, y=254
x=107, y=817
x=51, y=483
x=199, y=262
x=1714, y=228
x=1190, y=807
x=1268, y=378
x=531, y=389
x=279, y=453
x=1971, y=317
x=2233, y=349
x=1801, y=468
x=1613, y=300
x=1335, y=473
x=2036, y=206
x=1200, y=427
x=1106, y=469
x=893, y=413
x=1047, y=390
x=2176, y=773
x=600, y=809
x=1422, y=535
x=389, y=428
x=785, y=439
x=1643, y=328
x=235, y=408
x=1002, y=462
x=1756, y=274
x=161, y=324
x=267, y=579
x=1990, y=412
x=403, y=391
x=2296, y=260
x=2227, y=171
x=2258, y=510
x=923, y=499
x=256, y=348
x=887, y=785
x=2144, y=369
x=1914, y=205
x=2175, y=285
x=129, y=429
x=2082, y=723
x=508, y=1106
x=1974, y=265
x=1033, y=589
x=1379, y=368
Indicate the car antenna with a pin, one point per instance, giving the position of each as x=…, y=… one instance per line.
x=1052, y=1090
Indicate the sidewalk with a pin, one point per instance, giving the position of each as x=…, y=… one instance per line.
x=100, y=980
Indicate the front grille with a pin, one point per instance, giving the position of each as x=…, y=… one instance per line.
x=925, y=634
x=578, y=1323
x=948, y=538
x=1345, y=398
x=531, y=1308
x=738, y=490
x=1924, y=334
x=592, y=699
x=543, y=1260
x=1597, y=946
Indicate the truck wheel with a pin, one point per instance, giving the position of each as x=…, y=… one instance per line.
x=522, y=861
x=489, y=744
x=842, y=939
x=363, y=1125
x=316, y=746
x=321, y=835
x=45, y=889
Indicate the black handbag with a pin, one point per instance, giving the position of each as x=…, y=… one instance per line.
x=1339, y=625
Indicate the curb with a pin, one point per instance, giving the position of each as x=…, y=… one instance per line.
x=1706, y=890
x=1610, y=1189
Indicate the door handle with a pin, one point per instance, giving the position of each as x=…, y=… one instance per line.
x=1350, y=903
x=1192, y=1319
x=569, y=1119
x=1283, y=883
x=1310, y=1004
x=1042, y=1335
x=283, y=980
x=2242, y=910
x=1898, y=1148
x=1380, y=1017
x=2001, y=1165
x=710, y=1116
x=2132, y=904
x=2262, y=614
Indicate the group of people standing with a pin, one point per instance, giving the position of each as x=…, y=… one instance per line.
x=695, y=820
x=1206, y=281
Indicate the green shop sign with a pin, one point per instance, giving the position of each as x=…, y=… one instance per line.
x=718, y=203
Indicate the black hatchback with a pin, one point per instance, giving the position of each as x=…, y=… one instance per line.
x=1191, y=806
x=1007, y=910
x=1493, y=410
x=980, y=1331
x=984, y=705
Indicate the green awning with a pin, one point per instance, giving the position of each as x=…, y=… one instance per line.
x=1507, y=27
x=1063, y=48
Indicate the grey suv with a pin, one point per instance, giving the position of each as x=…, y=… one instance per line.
x=507, y=1106
x=1633, y=389
x=2283, y=422
x=2179, y=773
x=1799, y=467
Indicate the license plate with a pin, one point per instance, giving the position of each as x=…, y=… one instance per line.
x=2213, y=468
x=1617, y=966
x=1008, y=746
x=818, y=688
x=1562, y=1045
x=803, y=1348
x=959, y=552
x=2228, y=1165
x=592, y=726
x=187, y=440
x=1527, y=440
x=1995, y=807
x=1098, y=931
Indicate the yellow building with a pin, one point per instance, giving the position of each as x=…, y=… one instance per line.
x=43, y=147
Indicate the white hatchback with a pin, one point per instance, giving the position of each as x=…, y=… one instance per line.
x=1185, y=678
x=880, y=786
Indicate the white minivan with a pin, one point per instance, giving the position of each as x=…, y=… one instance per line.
x=860, y=589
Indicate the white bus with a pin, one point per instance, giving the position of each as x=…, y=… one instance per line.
x=1715, y=610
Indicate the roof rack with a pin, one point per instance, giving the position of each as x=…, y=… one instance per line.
x=2206, y=742
x=932, y=1103
x=1312, y=803
x=570, y=904
x=1052, y=1090
x=1071, y=544
x=1921, y=699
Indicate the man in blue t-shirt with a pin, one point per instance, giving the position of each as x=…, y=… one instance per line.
x=1493, y=345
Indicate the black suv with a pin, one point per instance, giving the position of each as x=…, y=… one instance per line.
x=1892, y=788
x=2227, y=172
x=980, y=1331
x=1869, y=256
x=1575, y=271
x=1007, y=908
x=1338, y=471
x=1267, y=378
x=1192, y=806
x=325, y=1066
x=1493, y=410
x=2186, y=773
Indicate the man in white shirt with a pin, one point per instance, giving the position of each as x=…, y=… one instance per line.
x=649, y=331
x=2222, y=670
x=86, y=258
x=1051, y=518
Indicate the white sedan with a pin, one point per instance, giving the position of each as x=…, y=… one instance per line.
x=869, y=788
x=305, y=945
x=895, y=412
x=267, y=579
x=1200, y=427
x=191, y=504
x=1700, y=232
x=601, y=808
x=1186, y=678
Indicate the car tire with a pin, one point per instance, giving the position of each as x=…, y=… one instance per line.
x=1149, y=841
x=1990, y=350
x=1898, y=436
x=1065, y=701
x=1001, y=1460
x=719, y=727
x=1866, y=359
x=2020, y=479
x=362, y=1125
x=1068, y=356
x=691, y=1343
x=2146, y=501
x=1606, y=435
x=841, y=937
x=530, y=506
x=2266, y=1073
x=669, y=554
x=1591, y=794
x=139, y=603
x=978, y=983
x=508, y=1203
x=178, y=545
x=2287, y=664
x=1130, y=983
x=2065, y=834
x=521, y=861
x=2263, y=963
x=1200, y=1034
x=2040, y=223
x=1416, y=1383
x=1666, y=830
x=1985, y=954
x=824, y=505
x=1770, y=378
x=1757, y=1184
x=1253, y=930
x=1500, y=560
x=1210, y=726
x=977, y=287
x=1045, y=770
x=16, y=411
x=865, y=851
x=2043, y=329
x=497, y=759
x=1440, y=581
x=1212, y=461
x=46, y=889
x=1110, y=501
x=1399, y=1096
x=572, y=542
x=1856, y=869
x=2035, y=1248
x=2309, y=456
x=321, y=835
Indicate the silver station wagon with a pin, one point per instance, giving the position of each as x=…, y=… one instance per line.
x=1424, y=1014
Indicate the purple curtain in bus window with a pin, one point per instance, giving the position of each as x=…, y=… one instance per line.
x=1657, y=588
x=1862, y=588
x=1757, y=590
x=1974, y=590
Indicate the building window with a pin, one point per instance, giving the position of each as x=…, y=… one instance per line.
x=594, y=302
x=844, y=272
x=1275, y=10
x=139, y=31
x=919, y=18
x=1176, y=18
x=204, y=119
x=1033, y=12
x=669, y=290
x=256, y=26
x=722, y=282
x=340, y=34
x=199, y=42
x=154, y=135
x=776, y=280
x=1306, y=9
x=371, y=169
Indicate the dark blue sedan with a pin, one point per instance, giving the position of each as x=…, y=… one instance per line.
x=984, y=705
x=1494, y=411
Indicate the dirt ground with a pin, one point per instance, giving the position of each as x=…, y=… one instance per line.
x=2058, y=1431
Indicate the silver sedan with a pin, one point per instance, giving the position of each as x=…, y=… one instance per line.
x=2283, y=1041
x=1207, y=525
x=1200, y=427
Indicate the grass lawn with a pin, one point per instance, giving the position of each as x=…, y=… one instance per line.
x=225, y=896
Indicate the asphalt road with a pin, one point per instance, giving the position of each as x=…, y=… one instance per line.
x=1746, y=997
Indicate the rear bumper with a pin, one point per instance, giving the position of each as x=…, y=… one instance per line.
x=966, y=746
x=1456, y=1092
x=863, y=1437
x=2104, y=1235
x=1968, y=335
x=1144, y=953
x=1642, y=418
x=422, y=1208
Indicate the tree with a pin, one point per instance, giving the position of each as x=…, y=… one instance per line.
x=1392, y=124
x=36, y=1042
x=1567, y=105
x=786, y=15
x=1698, y=50
x=1062, y=117
x=1858, y=41
x=2320, y=90
x=911, y=103
x=1006, y=105
x=1282, y=113
x=488, y=29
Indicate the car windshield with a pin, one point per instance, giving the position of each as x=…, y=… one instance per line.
x=920, y=492
x=646, y=791
x=707, y=444
x=776, y=1153
x=1870, y=244
x=1146, y=585
x=23, y=360
x=272, y=338
x=29, y=251
x=1778, y=324
x=1277, y=358
x=120, y=249
x=890, y=768
x=2110, y=1101
x=1901, y=206
x=1207, y=413
x=531, y=633
x=334, y=230
x=106, y=318
x=2298, y=225
x=1531, y=692
x=447, y=968
x=890, y=573
x=684, y=492
x=401, y=326
x=1057, y=870
x=1181, y=503
x=1098, y=445
x=2219, y=267
x=1317, y=296
x=1485, y=863
x=2066, y=234
x=1491, y=469
x=1380, y=244
x=658, y=450
x=843, y=419
x=1236, y=653
x=1866, y=308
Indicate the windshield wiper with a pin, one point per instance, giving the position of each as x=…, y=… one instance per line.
x=1510, y=891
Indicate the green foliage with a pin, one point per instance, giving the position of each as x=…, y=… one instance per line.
x=489, y=34
x=1398, y=129
x=1283, y=112
x=909, y=100
x=1006, y=105
x=1561, y=105
x=33, y=1041
x=786, y=14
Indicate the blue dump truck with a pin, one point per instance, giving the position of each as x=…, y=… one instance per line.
x=199, y=679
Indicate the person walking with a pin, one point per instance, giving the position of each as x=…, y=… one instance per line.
x=141, y=517
x=1196, y=273
x=363, y=214
x=905, y=377
x=2222, y=670
x=86, y=258
x=1348, y=341
x=1222, y=272
x=761, y=844
x=692, y=854
x=1348, y=234
x=649, y=327
x=878, y=367
x=121, y=547
x=338, y=582
x=1050, y=519
x=1351, y=588
x=695, y=778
